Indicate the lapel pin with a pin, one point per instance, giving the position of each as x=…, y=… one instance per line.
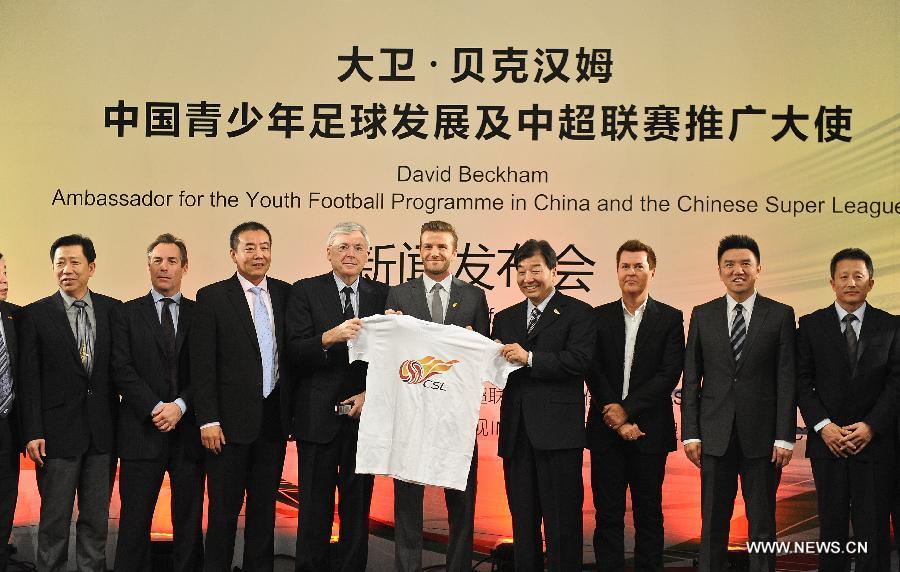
x=556, y=311
x=455, y=304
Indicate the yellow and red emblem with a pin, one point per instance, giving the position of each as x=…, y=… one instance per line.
x=420, y=371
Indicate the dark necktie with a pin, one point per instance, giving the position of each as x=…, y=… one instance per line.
x=168, y=328
x=83, y=336
x=850, y=336
x=6, y=386
x=437, y=307
x=348, y=303
x=533, y=320
x=738, y=332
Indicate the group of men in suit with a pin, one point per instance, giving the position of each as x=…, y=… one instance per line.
x=211, y=391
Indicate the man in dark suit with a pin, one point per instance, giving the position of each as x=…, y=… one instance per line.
x=10, y=429
x=542, y=413
x=68, y=405
x=738, y=415
x=323, y=314
x=157, y=430
x=631, y=426
x=848, y=376
x=242, y=399
x=440, y=297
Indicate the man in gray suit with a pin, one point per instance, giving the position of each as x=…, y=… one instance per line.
x=738, y=415
x=440, y=297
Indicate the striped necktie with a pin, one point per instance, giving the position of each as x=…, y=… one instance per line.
x=738, y=332
x=532, y=321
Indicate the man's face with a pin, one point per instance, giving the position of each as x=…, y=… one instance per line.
x=851, y=283
x=166, y=269
x=348, y=255
x=535, y=279
x=739, y=269
x=438, y=252
x=634, y=273
x=253, y=255
x=4, y=285
x=72, y=270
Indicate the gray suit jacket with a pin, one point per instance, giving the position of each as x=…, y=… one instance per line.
x=467, y=306
x=754, y=397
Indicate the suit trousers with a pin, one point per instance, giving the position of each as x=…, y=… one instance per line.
x=139, y=484
x=321, y=468
x=408, y=523
x=9, y=488
x=613, y=471
x=254, y=468
x=718, y=489
x=545, y=485
x=58, y=481
x=850, y=490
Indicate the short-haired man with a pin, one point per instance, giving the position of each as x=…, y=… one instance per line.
x=848, y=376
x=541, y=436
x=323, y=314
x=68, y=405
x=740, y=349
x=10, y=418
x=631, y=426
x=440, y=297
x=242, y=399
x=157, y=430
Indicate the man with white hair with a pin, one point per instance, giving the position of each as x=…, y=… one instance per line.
x=325, y=312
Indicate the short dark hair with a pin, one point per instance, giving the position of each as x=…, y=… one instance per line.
x=847, y=254
x=169, y=238
x=244, y=227
x=439, y=226
x=733, y=241
x=86, y=244
x=635, y=245
x=532, y=247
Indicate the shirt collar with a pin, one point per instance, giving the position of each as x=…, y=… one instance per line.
x=429, y=283
x=157, y=297
x=859, y=313
x=543, y=304
x=638, y=312
x=747, y=304
x=341, y=284
x=68, y=300
x=246, y=285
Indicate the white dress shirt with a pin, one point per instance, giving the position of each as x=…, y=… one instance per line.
x=632, y=323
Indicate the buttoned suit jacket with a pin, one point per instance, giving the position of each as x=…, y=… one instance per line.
x=754, y=396
x=140, y=366
x=60, y=402
x=324, y=378
x=830, y=386
x=467, y=305
x=655, y=371
x=548, y=398
x=226, y=365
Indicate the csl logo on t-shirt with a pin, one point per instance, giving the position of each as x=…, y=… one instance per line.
x=422, y=371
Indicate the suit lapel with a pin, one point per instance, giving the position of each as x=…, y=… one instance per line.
x=239, y=300
x=552, y=311
x=457, y=289
x=618, y=331
x=57, y=310
x=721, y=328
x=101, y=319
x=278, y=304
x=332, y=300
x=648, y=323
x=367, y=305
x=184, y=321
x=760, y=312
x=148, y=312
x=871, y=325
x=10, y=330
x=419, y=302
x=831, y=326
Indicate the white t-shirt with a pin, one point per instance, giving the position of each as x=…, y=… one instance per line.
x=423, y=393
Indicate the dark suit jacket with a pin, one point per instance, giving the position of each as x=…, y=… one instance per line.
x=655, y=371
x=754, y=397
x=467, y=305
x=59, y=401
x=139, y=365
x=324, y=379
x=547, y=398
x=10, y=315
x=829, y=386
x=226, y=366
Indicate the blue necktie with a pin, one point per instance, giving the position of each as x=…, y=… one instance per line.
x=266, y=341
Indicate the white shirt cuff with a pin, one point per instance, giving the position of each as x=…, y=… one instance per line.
x=530, y=356
x=687, y=441
x=785, y=445
x=181, y=404
x=821, y=424
x=213, y=424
